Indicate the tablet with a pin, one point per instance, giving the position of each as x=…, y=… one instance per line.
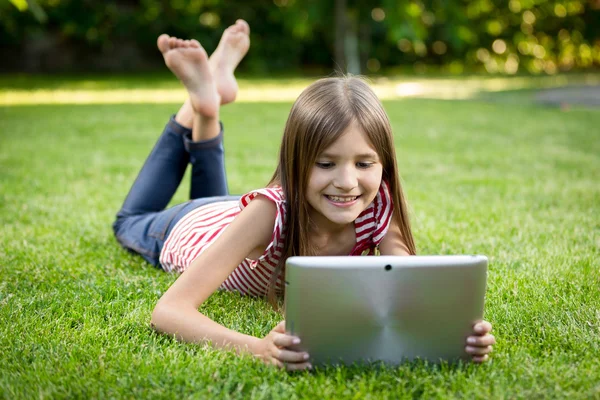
x=384, y=308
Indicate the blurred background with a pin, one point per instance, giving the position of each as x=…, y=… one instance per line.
x=446, y=37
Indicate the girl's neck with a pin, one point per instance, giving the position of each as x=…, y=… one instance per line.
x=339, y=240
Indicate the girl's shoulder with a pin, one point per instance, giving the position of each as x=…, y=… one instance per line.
x=269, y=205
x=274, y=193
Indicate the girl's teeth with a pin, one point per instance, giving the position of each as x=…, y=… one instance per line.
x=341, y=199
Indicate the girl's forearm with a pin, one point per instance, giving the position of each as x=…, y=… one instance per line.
x=189, y=325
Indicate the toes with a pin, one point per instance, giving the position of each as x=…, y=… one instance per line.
x=163, y=42
x=243, y=26
x=233, y=28
x=240, y=26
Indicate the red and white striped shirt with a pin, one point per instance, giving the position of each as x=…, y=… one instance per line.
x=202, y=226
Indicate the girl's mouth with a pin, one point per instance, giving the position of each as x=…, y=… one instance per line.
x=341, y=199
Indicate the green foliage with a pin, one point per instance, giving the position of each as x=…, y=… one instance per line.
x=497, y=36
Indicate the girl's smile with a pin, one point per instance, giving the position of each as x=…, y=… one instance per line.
x=342, y=201
x=344, y=180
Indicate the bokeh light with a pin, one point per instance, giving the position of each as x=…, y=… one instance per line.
x=499, y=46
x=378, y=14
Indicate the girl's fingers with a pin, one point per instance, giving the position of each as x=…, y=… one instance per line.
x=298, y=366
x=480, y=359
x=478, y=351
x=283, y=340
x=481, y=341
x=292, y=356
x=275, y=362
x=290, y=365
x=280, y=327
x=482, y=327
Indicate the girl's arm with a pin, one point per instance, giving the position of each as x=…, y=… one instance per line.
x=177, y=311
x=392, y=243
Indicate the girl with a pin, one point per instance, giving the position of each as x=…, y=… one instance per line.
x=336, y=191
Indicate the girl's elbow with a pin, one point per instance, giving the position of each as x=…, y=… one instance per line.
x=159, y=318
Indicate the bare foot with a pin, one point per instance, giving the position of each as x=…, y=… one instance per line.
x=189, y=62
x=232, y=48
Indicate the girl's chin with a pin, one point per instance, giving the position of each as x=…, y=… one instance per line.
x=347, y=218
x=330, y=213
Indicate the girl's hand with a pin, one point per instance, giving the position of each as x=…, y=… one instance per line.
x=479, y=344
x=274, y=349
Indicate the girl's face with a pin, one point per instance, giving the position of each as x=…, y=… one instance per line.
x=344, y=180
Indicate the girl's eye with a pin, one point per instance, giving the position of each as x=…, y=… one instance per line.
x=364, y=165
x=324, y=165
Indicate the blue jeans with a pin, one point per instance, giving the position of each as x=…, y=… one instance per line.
x=142, y=224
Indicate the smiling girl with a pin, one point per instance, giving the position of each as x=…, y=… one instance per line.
x=336, y=191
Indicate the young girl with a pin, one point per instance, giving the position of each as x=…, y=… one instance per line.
x=336, y=191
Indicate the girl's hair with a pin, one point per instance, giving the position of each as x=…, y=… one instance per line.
x=320, y=115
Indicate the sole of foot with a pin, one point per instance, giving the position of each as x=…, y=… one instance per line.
x=232, y=48
x=188, y=61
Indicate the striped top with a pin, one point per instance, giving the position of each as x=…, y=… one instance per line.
x=202, y=226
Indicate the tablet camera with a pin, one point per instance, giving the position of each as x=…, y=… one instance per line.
x=388, y=267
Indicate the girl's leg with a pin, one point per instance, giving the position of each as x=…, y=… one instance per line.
x=162, y=172
x=141, y=225
x=142, y=221
x=206, y=147
x=135, y=226
x=208, y=167
x=160, y=175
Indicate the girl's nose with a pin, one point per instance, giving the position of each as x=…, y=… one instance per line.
x=346, y=179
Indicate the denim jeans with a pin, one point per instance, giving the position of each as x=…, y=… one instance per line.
x=142, y=224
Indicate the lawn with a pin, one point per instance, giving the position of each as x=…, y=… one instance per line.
x=516, y=182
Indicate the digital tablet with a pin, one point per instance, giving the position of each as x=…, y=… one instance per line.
x=384, y=308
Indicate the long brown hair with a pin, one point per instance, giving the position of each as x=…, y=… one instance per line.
x=318, y=118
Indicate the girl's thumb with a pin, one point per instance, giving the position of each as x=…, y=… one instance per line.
x=280, y=327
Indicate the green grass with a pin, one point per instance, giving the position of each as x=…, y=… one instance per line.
x=518, y=183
